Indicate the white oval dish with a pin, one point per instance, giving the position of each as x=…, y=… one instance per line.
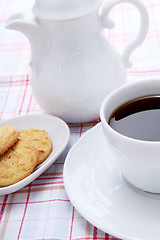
x=57, y=130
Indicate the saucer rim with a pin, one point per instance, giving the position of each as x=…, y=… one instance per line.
x=80, y=210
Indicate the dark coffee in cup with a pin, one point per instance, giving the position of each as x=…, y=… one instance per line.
x=138, y=118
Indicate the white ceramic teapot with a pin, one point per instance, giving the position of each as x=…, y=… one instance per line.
x=73, y=65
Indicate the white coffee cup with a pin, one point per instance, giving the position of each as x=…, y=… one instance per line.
x=139, y=160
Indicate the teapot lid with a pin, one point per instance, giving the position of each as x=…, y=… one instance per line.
x=60, y=10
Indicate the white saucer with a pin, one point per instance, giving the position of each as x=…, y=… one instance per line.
x=59, y=134
x=103, y=197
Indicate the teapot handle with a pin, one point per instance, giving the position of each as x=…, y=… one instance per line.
x=107, y=6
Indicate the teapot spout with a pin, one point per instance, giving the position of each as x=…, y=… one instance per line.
x=30, y=28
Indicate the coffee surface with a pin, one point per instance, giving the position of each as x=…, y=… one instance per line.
x=139, y=118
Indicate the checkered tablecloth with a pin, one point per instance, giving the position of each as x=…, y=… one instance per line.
x=42, y=210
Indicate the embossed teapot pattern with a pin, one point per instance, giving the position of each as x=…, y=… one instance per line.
x=74, y=66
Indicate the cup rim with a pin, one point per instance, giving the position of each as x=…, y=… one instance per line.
x=106, y=101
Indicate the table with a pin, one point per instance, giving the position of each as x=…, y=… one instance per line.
x=42, y=210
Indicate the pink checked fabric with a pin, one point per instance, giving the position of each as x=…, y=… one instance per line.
x=42, y=210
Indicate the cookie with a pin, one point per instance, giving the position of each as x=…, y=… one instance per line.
x=17, y=163
x=40, y=139
x=8, y=136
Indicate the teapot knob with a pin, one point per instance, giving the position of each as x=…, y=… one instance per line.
x=143, y=30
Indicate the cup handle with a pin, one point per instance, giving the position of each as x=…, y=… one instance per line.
x=143, y=29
